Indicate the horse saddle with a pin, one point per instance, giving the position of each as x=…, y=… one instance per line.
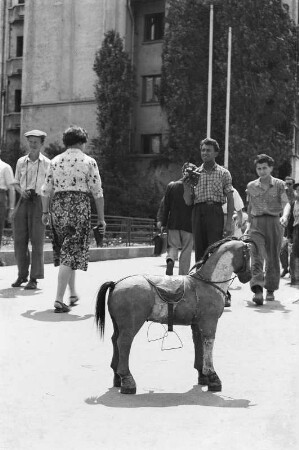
x=170, y=289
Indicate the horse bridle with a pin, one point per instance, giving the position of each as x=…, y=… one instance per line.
x=246, y=256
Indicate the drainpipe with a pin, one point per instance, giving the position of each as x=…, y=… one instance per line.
x=4, y=10
x=129, y=7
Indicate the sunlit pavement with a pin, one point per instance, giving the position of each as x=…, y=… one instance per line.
x=55, y=385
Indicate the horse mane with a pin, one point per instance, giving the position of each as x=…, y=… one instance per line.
x=213, y=247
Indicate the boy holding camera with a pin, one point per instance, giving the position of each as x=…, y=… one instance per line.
x=30, y=175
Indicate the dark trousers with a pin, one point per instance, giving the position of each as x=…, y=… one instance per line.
x=207, y=226
x=3, y=211
x=27, y=225
x=284, y=254
x=294, y=258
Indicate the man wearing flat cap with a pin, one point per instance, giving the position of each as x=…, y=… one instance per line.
x=30, y=175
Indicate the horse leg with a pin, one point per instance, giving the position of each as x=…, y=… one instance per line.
x=115, y=357
x=124, y=342
x=208, y=327
x=198, y=354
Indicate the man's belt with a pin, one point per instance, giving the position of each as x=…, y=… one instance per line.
x=209, y=203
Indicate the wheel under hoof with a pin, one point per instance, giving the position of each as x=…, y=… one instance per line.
x=116, y=380
x=128, y=385
x=214, y=383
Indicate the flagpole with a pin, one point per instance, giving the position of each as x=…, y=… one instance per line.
x=229, y=57
x=210, y=72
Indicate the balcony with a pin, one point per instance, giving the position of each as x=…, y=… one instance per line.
x=12, y=121
x=14, y=67
x=16, y=13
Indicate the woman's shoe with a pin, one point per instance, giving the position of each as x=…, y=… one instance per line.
x=61, y=307
x=19, y=281
x=74, y=300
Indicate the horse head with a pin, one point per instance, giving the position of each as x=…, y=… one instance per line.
x=241, y=258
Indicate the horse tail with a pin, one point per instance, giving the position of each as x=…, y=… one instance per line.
x=100, y=306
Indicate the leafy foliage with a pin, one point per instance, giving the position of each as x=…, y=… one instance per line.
x=127, y=192
x=53, y=149
x=183, y=92
x=11, y=152
x=262, y=85
x=115, y=94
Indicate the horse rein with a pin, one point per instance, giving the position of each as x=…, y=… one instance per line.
x=246, y=253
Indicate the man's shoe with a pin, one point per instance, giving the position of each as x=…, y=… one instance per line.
x=32, y=284
x=258, y=295
x=169, y=268
x=228, y=300
x=284, y=272
x=19, y=281
x=270, y=296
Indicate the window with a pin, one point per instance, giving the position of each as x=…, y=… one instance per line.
x=150, y=89
x=19, y=49
x=20, y=2
x=151, y=143
x=153, y=27
x=18, y=100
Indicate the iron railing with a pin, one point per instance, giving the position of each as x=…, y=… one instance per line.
x=120, y=230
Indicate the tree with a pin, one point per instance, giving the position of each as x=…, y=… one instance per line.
x=53, y=149
x=184, y=76
x=115, y=93
x=125, y=189
x=11, y=152
x=262, y=88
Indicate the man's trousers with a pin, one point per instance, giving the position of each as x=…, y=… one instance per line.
x=267, y=232
x=28, y=226
x=207, y=226
x=180, y=240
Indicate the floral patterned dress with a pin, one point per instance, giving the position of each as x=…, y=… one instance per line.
x=72, y=176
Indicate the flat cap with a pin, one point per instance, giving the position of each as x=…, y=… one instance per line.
x=37, y=133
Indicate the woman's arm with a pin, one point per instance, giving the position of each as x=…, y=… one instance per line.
x=99, y=202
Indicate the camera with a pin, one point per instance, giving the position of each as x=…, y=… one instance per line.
x=191, y=175
x=31, y=194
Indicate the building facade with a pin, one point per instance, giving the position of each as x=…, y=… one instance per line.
x=47, y=56
x=47, y=51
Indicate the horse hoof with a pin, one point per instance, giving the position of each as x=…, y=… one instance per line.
x=127, y=390
x=128, y=385
x=203, y=379
x=215, y=388
x=214, y=383
x=116, y=380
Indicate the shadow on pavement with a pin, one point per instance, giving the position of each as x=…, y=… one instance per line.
x=268, y=307
x=17, y=292
x=50, y=316
x=196, y=396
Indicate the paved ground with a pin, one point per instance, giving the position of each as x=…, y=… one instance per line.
x=55, y=385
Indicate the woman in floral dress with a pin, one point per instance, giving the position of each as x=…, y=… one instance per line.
x=71, y=177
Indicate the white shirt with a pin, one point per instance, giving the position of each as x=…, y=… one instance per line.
x=6, y=175
x=31, y=174
x=73, y=170
x=238, y=202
